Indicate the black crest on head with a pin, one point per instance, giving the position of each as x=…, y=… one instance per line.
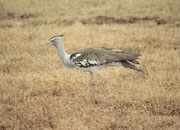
x=61, y=35
x=56, y=36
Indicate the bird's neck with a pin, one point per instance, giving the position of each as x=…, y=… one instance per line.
x=64, y=56
x=61, y=52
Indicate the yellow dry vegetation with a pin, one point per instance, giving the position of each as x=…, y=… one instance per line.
x=36, y=92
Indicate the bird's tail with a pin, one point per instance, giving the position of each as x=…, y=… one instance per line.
x=128, y=65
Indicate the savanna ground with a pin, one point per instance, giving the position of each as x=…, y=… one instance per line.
x=36, y=92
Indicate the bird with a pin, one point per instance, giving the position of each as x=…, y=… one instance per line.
x=93, y=59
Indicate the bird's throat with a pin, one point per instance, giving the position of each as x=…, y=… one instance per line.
x=64, y=56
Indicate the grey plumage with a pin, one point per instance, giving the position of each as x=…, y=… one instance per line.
x=93, y=59
x=105, y=56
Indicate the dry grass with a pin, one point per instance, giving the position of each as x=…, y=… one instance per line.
x=36, y=92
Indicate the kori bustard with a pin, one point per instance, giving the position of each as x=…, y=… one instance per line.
x=93, y=59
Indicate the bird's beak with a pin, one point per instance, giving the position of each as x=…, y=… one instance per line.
x=48, y=42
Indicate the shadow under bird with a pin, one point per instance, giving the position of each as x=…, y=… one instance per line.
x=93, y=59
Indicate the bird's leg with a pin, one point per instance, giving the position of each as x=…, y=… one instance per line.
x=91, y=82
x=105, y=82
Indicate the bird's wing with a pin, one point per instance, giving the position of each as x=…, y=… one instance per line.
x=102, y=55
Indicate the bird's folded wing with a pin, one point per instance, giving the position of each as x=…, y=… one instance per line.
x=103, y=55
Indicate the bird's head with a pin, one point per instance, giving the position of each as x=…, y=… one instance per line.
x=54, y=40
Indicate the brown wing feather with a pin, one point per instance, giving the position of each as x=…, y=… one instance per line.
x=102, y=54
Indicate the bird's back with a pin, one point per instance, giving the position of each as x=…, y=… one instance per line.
x=101, y=55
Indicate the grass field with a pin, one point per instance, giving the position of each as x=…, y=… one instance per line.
x=36, y=92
